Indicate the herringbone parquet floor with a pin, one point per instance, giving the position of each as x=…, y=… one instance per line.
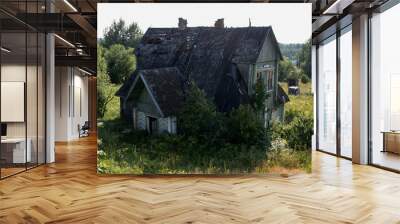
x=70, y=191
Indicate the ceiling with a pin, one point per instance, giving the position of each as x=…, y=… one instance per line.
x=75, y=21
x=330, y=15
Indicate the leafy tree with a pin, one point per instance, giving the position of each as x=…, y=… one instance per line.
x=104, y=92
x=198, y=116
x=101, y=61
x=291, y=51
x=304, y=56
x=133, y=35
x=120, y=33
x=288, y=70
x=121, y=62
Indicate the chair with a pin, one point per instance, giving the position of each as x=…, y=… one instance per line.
x=84, y=130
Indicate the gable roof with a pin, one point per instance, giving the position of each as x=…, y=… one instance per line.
x=164, y=47
x=165, y=86
x=210, y=57
x=124, y=89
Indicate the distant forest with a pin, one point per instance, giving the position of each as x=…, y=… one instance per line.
x=291, y=51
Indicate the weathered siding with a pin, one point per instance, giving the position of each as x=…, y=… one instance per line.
x=167, y=124
x=269, y=56
x=163, y=124
x=146, y=104
x=141, y=120
x=173, y=125
x=262, y=67
x=126, y=110
x=268, y=59
x=269, y=50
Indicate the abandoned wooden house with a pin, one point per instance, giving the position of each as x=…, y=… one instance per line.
x=223, y=62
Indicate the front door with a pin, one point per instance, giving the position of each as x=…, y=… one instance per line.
x=152, y=125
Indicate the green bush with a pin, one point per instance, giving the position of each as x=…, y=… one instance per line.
x=198, y=116
x=297, y=130
x=244, y=127
x=305, y=79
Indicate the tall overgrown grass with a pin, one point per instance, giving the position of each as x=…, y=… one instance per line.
x=232, y=150
x=123, y=150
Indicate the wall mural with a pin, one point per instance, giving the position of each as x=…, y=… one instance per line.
x=181, y=95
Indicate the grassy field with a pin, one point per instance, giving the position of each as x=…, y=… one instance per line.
x=302, y=102
x=281, y=155
x=123, y=150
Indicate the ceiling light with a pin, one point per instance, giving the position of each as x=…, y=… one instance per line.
x=338, y=6
x=86, y=72
x=79, y=51
x=5, y=50
x=70, y=5
x=64, y=40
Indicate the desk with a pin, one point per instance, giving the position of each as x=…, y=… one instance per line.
x=391, y=141
x=13, y=150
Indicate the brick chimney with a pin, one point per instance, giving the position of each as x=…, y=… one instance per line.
x=219, y=23
x=182, y=23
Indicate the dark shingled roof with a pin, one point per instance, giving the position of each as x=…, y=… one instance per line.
x=166, y=85
x=282, y=97
x=211, y=57
x=127, y=85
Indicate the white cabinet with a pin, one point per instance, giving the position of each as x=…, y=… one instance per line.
x=19, y=155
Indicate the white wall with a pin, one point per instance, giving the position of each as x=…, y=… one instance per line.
x=70, y=83
x=34, y=125
x=16, y=73
x=11, y=73
x=80, y=84
x=61, y=103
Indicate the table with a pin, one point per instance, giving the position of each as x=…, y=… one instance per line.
x=391, y=141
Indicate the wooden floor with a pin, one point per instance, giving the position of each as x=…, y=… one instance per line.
x=386, y=159
x=70, y=191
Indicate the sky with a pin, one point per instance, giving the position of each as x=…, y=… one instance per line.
x=291, y=23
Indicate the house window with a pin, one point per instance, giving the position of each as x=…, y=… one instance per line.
x=152, y=125
x=270, y=80
x=267, y=76
x=259, y=75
